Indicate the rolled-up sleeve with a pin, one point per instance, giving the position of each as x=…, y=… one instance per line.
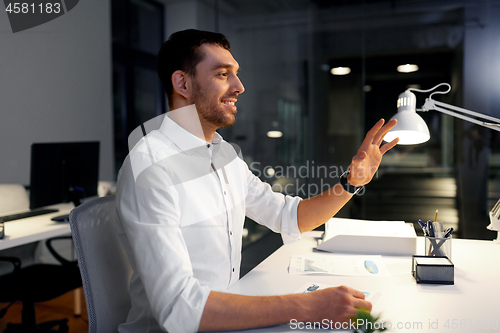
x=158, y=253
x=276, y=211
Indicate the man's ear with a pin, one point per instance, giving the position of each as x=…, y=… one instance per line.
x=180, y=83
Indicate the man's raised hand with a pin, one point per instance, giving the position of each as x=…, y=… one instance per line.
x=365, y=163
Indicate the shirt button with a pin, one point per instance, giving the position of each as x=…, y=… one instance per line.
x=224, y=192
x=208, y=146
x=233, y=269
x=231, y=233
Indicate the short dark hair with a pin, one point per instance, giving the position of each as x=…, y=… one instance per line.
x=182, y=52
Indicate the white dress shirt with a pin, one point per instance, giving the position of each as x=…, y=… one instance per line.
x=181, y=206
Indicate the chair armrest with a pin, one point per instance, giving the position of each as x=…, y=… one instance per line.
x=56, y=255
x=16, y=262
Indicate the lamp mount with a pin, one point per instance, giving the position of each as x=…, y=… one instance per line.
x=431, y=104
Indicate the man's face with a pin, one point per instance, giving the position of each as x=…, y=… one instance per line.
x=216, y=87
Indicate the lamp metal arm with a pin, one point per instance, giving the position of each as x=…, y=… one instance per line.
x=431, y=104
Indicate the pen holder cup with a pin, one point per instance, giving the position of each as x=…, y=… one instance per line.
x=2, y=230
x=438, y=247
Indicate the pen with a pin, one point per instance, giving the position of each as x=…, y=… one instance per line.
x=436, y=216
x=430, y=229
x=448, y=232
x=423, y=225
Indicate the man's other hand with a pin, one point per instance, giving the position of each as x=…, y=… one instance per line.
x=337, y=304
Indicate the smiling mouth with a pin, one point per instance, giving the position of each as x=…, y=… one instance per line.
x=230, y=105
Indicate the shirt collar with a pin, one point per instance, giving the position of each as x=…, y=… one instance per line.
x=183, y=139
x=217, y=138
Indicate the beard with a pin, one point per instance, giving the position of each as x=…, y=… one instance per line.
x=210, y=111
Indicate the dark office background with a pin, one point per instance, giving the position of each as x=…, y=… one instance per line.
x=99, y=60
x=286, y=49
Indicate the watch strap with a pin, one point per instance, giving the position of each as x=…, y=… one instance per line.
x=347, y=186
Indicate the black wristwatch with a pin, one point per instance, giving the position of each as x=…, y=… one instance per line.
x=348, y=187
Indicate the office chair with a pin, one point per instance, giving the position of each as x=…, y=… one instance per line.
x=104, y=266
x=37, y=283
x=26, y=280
x=13, y=197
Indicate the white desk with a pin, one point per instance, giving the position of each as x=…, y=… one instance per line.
x=35, y=228
x=472, y=302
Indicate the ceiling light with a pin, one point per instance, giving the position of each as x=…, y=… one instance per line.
x=408, y=68
x=274, y=134
x=270, y=172
x=340, y=70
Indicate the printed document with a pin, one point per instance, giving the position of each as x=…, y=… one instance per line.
x=310, y=287
x=338, y=264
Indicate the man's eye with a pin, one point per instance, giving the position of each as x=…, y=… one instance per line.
x=223, y=74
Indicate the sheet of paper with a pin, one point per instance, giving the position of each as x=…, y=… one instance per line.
x=338, y=226
x=310, y=287
x=338, y=264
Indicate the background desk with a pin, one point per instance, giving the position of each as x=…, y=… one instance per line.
x=35, y=228
x=472, y=302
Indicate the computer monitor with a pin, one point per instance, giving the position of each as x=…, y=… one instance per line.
x=63, y=172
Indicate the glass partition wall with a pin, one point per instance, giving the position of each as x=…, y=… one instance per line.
x=287, y=50
x=299, y=123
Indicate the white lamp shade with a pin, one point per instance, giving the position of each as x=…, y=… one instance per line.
x=411, y=128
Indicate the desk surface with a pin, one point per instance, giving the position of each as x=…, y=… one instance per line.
x=35, y=228
x=471, y=304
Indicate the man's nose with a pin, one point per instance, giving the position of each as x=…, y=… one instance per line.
x=238, y=86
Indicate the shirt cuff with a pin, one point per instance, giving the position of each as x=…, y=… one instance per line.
x=289, y=224
x=188, y=310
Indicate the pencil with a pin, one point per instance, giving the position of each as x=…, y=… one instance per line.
x=436, y=216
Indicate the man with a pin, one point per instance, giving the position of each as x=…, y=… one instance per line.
x=182, y=196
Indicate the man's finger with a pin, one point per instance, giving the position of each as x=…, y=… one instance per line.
x=363, y=304
x=379, y=137
x=388, y=146
x=357, y=294
x=373, y=131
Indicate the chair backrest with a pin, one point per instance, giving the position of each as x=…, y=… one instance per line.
x=103, y=264
x=13, y=197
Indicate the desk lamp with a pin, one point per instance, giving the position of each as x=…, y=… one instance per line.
x=495, y=220
x=412, y=129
